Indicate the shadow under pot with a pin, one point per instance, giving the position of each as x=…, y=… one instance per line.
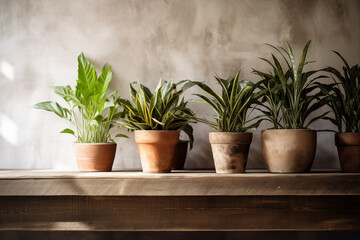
x=95, y=157
x=180, y=155
x=348, y=145
x=156, y=148
x=288, y=150
x=230, y=150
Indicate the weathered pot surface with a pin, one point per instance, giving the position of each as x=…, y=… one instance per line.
x=95, y=157
x=180, y=155
x=348, y=145
x=288, y=150
x=156, y=148
x=230, y=150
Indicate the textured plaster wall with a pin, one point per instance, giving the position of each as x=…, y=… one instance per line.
x=184, y=39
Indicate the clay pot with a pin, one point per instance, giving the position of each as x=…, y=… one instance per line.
x=230, y=150
x=180, y=155
x=288, y=150
x=95, y=157
x=348, y=145
x=156, y=149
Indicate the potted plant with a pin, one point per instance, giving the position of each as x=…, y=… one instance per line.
x=91, y=111
x=343, y=97
x=289, y=96
x=157, y=119
x=230, y=143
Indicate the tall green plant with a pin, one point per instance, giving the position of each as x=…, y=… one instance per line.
x=90, y=110
x=344, y=96
x=161, y=110
x=288, y=93
x=231, y=107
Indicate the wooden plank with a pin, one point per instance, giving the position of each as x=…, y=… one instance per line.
x=37, y=174
x=31, y=183
x=182, y=201
x=221, y=213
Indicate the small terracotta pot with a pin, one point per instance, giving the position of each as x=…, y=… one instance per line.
x=230, y=150
x=95, y=157
x=288, y=150
x=348, y=145
x=180, y=155
x=156, y=148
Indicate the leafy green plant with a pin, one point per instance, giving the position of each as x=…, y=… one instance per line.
x=161, y=110
x=91, y=110
x=343, y=96
x=288, y=95
x=231, y=107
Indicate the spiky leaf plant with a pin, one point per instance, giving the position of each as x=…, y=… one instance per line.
x=231, y=107
x=343, y=96
x=288, y=94
x=90, y=110
x=161, y=110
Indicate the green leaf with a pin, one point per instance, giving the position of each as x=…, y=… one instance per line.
x=54, y=107
x=86, y=80
x=121, y=135
x=103, y=81
x=67, y=130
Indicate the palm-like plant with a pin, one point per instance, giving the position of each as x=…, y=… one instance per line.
x=344, y=96
x=231, y=107
x=161, y=110
x=290, y=92
x=91, y=110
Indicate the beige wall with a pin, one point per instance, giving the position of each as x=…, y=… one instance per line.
x=40, y=40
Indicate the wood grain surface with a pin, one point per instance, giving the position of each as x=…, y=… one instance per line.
x=182, y=201
x=193, y=183
x=180, y=213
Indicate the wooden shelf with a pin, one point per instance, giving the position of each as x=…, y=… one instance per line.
x=182, y=200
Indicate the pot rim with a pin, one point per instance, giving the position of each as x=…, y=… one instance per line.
x=289, y=129
x=156, y=136
x=230, y=132
x=157, y=130
x=95, y=144
x=347, y=139
x=230, y=137
x=348, y=133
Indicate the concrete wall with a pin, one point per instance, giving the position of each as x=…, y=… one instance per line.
x=184, y=39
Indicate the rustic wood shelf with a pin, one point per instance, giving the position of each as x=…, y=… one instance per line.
x=178, y=201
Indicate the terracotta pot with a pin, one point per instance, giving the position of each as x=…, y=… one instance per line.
x=230, y=150
x=288, y=150
x=348, y=145
x=156, y=149
x=95, y=157
x=180, y=155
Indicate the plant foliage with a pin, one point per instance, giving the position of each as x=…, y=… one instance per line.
x=343, y=96
x=161, y=110
x=231, y=107
x=288, y=94
x=91, y=110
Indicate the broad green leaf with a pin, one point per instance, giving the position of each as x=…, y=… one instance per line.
x=67, y=130
x=54, y=107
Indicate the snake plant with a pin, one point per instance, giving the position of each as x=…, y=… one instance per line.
x=161, y=110
x=231, y=106
x=91, y=110
x=288, y=94
x=343, y=96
